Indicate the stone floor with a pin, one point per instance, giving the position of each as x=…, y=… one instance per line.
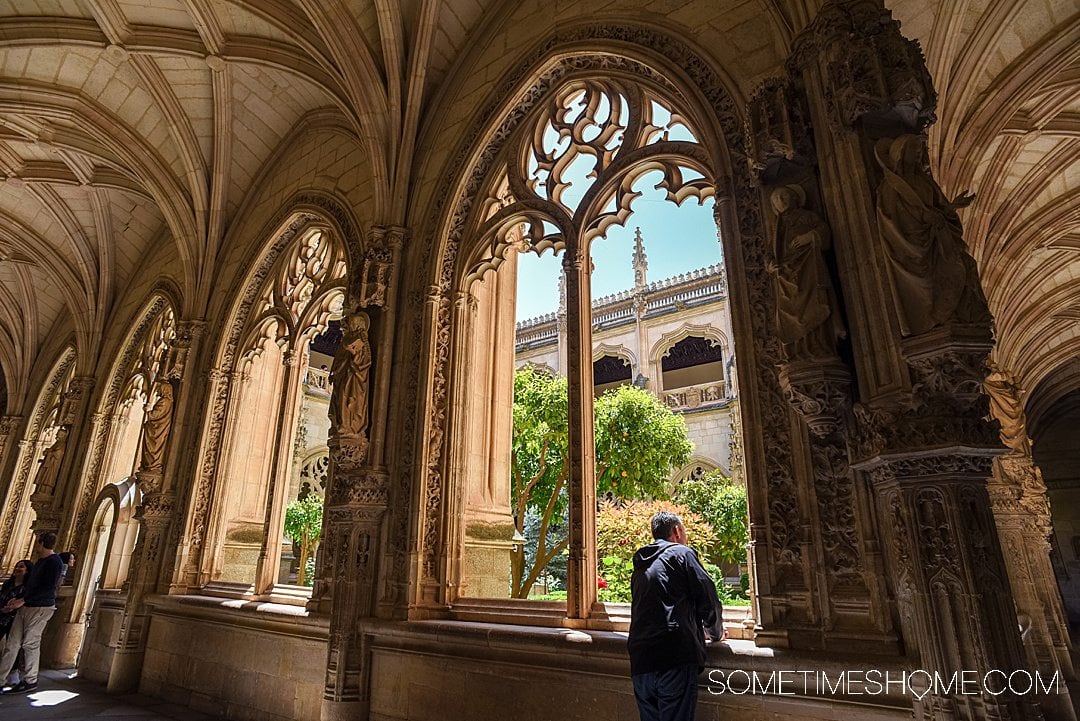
x=60, y=695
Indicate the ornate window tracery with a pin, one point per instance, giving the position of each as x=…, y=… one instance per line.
x=571, y=172
x=277, y=412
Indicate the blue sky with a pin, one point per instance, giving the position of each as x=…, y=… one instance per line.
x=677, y=239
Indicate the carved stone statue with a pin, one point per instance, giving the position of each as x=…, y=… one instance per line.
x=49, y=472
x=807, y=310
x=156, y=426
x=349, y=376
x=934, y=279
x=1008, y=409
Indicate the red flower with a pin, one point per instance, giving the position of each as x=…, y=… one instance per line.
x=600, y=582
x=624, y=541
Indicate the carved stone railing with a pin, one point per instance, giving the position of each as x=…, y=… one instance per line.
x=317, y=382
x=702, y=395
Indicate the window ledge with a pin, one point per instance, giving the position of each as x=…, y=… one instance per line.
x=288, y=619
x=613, y=617
x=285, y=595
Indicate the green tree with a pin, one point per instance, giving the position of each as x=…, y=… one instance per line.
x=722, y=504
x=303, y=524
x=638, y=442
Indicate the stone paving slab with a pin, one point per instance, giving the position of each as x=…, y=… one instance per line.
x=60, y=696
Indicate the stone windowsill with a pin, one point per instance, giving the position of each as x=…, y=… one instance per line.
x=582, y=650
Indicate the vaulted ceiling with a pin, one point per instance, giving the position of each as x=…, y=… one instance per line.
x=126, y=125
x=1007, y=74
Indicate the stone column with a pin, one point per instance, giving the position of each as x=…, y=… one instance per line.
x=920, y=333
x=268, y=567
x=352, y=530
x=486, y=403
x=151, y=570
x=352, y=547
x=816, y=380
x=1022, y=514
x=581, y=568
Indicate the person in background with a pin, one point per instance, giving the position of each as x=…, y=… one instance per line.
x=14, y=587
x=34, y=610
x=673, y=606
x=68, y=559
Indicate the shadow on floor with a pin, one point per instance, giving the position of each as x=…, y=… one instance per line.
x=60, y=695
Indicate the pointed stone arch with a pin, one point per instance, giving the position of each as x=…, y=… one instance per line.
x=648, y=56
x=45, y=415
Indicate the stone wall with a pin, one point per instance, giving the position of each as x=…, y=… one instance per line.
x=264, y=664
x=102, y=636
x=436, y=671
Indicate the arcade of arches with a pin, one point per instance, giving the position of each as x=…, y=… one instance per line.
x=249, y=252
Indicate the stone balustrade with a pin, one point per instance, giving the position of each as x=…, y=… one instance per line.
x=702, y=395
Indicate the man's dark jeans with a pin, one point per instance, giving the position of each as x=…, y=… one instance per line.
x=667, y=695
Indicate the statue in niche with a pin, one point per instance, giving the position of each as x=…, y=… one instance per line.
x=807, y=309
x=349, y=376
x=934, y=279
x=49, y=471
x=156, y=426
x=1007, y=408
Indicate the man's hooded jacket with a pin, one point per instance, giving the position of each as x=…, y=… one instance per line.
x=674, y=604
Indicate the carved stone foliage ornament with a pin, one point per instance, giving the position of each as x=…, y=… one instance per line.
x=946, y=406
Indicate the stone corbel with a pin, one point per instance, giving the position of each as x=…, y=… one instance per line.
x=188, y=332
x=820, y=392
x=377, y=273
x=875, y=77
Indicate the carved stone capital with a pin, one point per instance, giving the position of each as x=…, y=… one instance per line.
x=946, y=465
x=156, y=508
x=9, y=425
x=365, y=487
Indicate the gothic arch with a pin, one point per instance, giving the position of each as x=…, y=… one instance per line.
x=675, y=70
x=44, y=416
x=157, y=317
x=705, y=464
x=711, y=333
x=262, y=313
x=618, y=351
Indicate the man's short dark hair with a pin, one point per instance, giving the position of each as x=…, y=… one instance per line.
x=663, y=523
x=48, y=539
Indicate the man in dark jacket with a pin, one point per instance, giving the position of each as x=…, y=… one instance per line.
x=674, y=606
x=36, y=607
